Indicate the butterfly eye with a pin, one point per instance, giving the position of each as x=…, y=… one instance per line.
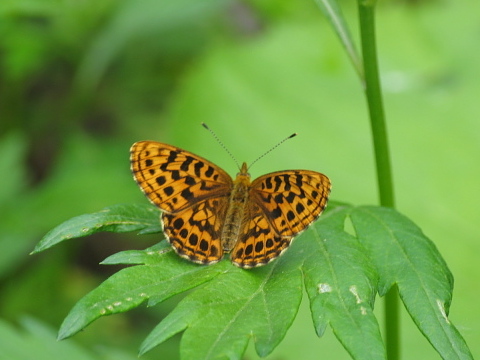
x=243, y=174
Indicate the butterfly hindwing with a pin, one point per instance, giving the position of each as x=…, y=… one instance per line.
x=195, y=233
x=258, y=243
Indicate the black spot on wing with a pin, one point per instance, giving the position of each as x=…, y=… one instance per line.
x=186, y=163
x=175, y=174
x=178, y=223
x=209, y=171
x=171, y=157
x=189, y=180
x=161, y=180
x=197, y=167
x=299, y=208
x=290, y=215
x=187, y=194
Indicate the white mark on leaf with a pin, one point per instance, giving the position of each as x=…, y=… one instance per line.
x=353, y=290
x=441, y=307
x=324, y=288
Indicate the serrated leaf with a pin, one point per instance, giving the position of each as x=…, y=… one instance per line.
x=340, y=271
x=116, y=218
x=403, y=255
x=163, y=276
x=221, y=317
x=341, y=285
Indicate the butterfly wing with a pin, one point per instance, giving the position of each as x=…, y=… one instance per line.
x=191, y=192
x=195, y=233
x=174, y=179
x=258, y=243
x=282, y=204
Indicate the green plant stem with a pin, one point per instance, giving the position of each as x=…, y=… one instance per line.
x=382, y=158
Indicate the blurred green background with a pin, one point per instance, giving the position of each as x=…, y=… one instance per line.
x=80, y=81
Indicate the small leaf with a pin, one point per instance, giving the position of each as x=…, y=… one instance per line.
x=341, y=284
x=136, y=257
x=164, y=276
x=403, y=255
x=116, y=218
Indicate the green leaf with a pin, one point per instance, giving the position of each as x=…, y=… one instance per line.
x=116, y=218
x=341, y=285
x=136, y=257
x=403, y=255
x=342, y=273
x=165, y=275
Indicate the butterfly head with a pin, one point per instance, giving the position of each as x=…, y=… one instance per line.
x=244, y=171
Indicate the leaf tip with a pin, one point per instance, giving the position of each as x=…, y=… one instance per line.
x=62, y=335
x=36, y=250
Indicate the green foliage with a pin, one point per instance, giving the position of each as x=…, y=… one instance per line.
x=36, y=341
x=255, y=71
x=13, y=147
x=341, y=272
x=118, y=218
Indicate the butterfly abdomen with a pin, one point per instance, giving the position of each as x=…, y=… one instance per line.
x=235, y=212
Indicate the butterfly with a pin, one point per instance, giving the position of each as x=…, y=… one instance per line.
x=205, y=213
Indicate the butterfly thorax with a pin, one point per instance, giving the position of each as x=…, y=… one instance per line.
x=236, y=209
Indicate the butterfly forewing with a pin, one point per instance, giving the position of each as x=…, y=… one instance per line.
x=291, y=200
x=174, y=179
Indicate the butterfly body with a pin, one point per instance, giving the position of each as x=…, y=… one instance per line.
x=236, y=209
x=205, y=213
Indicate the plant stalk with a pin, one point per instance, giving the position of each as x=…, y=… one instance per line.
x=366, y=10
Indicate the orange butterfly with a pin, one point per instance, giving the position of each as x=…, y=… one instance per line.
x=205, y=213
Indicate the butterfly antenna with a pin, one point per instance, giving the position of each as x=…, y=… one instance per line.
x=221, y=144
x=273, y=148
